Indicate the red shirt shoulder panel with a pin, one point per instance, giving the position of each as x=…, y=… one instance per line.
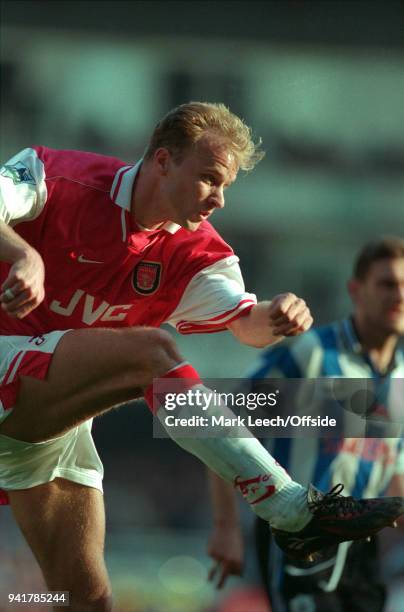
x=80, y=167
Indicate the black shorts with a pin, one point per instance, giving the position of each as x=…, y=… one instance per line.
x=346, y=578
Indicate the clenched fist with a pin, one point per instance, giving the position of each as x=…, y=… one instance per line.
x=23, y=289
x=289, y=315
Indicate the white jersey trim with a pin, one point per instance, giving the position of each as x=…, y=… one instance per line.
x=121, y=194
x=123, y=223
x=122, y=184
x=214, y=297
x=23, y=191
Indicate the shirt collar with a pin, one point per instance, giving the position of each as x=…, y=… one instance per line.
x=121, y=192
x=353, y=343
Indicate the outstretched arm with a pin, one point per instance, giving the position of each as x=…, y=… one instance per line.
x=268, y=322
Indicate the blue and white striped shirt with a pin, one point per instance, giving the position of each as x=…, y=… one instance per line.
x=364, y=465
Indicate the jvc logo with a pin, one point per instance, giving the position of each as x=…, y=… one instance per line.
x=103, y=312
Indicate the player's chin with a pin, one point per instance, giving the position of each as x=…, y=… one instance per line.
x=396, y=328
x=191, y=226
x=392, y=329
x=395, y=323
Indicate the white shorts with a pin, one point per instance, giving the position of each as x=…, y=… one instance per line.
x=27, y=356
x=72, y=456
x=24, y=464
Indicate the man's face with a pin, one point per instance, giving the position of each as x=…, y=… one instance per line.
x=379, y=297
x=194, y=188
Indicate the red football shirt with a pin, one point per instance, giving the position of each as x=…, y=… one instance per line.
x=102, y=270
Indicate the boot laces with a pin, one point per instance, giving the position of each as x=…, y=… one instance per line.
x=333, y=500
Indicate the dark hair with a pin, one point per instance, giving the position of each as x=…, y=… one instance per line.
x=387, y=247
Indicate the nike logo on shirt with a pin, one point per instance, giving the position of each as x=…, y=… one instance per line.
x=82, y=259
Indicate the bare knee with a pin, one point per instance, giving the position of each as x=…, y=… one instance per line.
x=154, y=353
x=88, y=585
x=101, y=603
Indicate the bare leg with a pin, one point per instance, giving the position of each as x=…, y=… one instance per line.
x=64, y=524
x=91, y=371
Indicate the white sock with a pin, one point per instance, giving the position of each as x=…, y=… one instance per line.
x=245, y=463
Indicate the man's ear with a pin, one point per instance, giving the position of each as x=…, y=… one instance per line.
x=161, y=160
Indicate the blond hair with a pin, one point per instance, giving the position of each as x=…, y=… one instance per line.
x=184, y=125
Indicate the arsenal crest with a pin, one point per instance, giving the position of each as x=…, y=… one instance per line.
x=146, y=277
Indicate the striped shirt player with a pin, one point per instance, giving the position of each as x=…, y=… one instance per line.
x=103, y=270
x=364, y=465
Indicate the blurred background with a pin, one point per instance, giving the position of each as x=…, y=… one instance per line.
x=323, y=84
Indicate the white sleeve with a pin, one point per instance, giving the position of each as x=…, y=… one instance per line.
x=23, y=190
x=214, y=297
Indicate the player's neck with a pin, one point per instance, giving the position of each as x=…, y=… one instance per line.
x=146, y=208
x=378, y=344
